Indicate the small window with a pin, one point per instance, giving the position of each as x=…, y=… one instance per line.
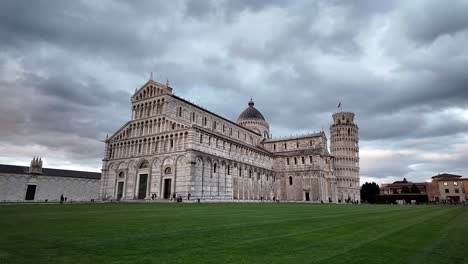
x=173, y=126
x=229, y=170
x=250, y=173
x=290, y=180
x=447, y=191
x=180, y=111
x=445, y=183
x=295, y=160
x=285, y=146
x=287, y=161
x=168, y=170
x=205, y=121
x=455, y=183
x=457, y=191
x=303, y=160
x=201, y=138
x=172, y=143
x=297, y=144
x=310, y=158
x=240, y=172
x=193, y=116
x=214, y=168
x=274, y=146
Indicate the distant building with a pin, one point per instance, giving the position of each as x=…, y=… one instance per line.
x=403, y=186
x=447, y=188
x=34, y=183
x=403, y=192
x=465, y=188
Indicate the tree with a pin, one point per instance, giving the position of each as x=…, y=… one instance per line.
x=369, y=192
x=415, y=189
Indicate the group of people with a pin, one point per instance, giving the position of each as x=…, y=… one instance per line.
x=62, y=199
x=179, y=198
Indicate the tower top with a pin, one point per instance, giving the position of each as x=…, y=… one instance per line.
x=343, y=118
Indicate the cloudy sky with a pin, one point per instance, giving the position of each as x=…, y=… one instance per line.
x=68, y=69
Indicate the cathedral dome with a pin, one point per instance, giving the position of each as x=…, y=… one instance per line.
x=252, y=119
x=250, y=113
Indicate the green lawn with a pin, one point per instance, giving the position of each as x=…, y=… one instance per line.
x=233, y=233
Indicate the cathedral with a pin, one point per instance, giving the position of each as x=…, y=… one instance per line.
x=174, y=148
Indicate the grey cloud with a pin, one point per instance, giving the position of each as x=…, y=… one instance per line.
x=77, y=64
x=425, y=21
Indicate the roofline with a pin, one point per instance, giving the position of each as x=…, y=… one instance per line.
x=144, y=85
x=446, y=175
x=312, y=135
x=225, y=119
x=118, y=130
x=53, y=169
x=256, y=148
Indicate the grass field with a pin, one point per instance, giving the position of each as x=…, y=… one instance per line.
x=232, y=233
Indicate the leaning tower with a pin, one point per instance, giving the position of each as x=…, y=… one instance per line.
x=344, y=146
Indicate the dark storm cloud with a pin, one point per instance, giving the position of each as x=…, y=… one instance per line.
x=428, y=20
x=68, y=69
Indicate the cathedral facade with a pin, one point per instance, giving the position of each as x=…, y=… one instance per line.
x=172, y=147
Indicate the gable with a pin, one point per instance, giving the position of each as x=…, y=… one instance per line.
x=151, y=89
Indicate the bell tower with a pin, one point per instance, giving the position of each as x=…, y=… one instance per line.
x=344, y=146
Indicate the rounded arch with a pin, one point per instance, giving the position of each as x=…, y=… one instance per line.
x=167, y=161
x=132, y=164
x=199, y=160
x=122, y=165
x=168, y=170
x=143, y=164
x=181, y=159
x=111, y=166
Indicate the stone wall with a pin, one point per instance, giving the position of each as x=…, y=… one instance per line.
x=13, y=187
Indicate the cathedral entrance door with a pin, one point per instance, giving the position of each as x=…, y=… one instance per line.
x=120, y=190
x=167, y=188
x=142, y=186
x=30, y=192
x=307, y=196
